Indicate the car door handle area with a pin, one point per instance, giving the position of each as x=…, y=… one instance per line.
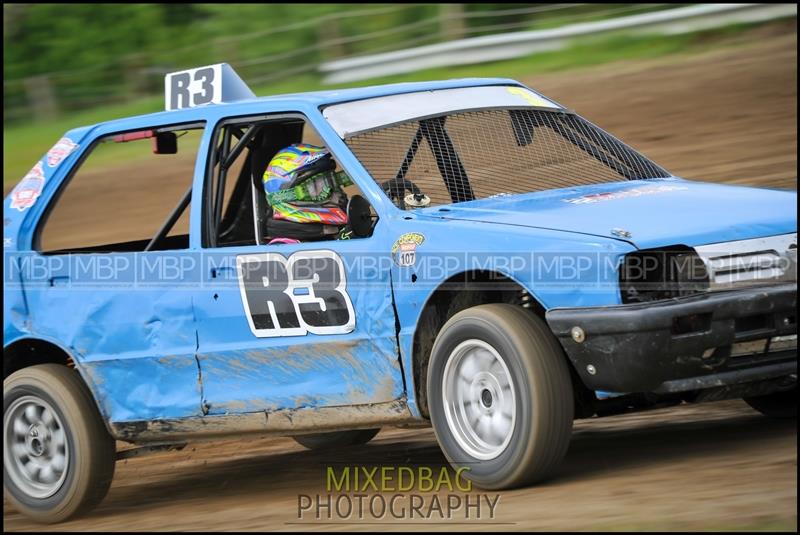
x=223, y=272
x=59, y=280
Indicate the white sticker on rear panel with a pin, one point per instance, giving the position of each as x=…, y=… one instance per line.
x=28, y=190
x=63, y=148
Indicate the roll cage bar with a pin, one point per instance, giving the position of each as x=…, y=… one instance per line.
x=452, y=168
x=432, y=129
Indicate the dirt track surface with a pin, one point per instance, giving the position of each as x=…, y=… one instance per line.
x=727, y=116
x=709, y=466
x=723, y=116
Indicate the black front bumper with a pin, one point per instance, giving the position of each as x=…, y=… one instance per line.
x=680, y=344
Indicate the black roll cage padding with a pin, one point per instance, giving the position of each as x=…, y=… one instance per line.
x=607, y=140
x=523, y=132
x=256, y=200
x=455, y=176
x=207, y=195
x=410, y=153
x=239, y=209
x=171, y=220
x=447, y=159
x=227, y=225
x=244, y=139
x=568, y=133
x=222, y=177
x=225, y=156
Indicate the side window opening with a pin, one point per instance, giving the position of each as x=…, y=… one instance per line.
x=311, y=202
x=124, y=197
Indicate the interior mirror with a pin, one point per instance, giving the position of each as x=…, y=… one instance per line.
x=359, y=216
x=165, y=143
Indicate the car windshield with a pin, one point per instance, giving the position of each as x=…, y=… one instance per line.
x=473, y=150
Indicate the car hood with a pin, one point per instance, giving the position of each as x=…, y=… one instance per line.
x=645, y=213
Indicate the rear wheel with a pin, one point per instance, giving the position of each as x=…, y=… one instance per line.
x=500, y=396
x=336, y=439
x=58, y=458
x=776, y=405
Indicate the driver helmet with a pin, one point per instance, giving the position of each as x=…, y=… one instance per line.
x=301, y=186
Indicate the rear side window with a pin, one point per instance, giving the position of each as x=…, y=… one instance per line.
x=478, y=154
x=123, y=193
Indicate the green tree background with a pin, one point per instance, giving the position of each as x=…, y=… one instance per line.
x=97, y=54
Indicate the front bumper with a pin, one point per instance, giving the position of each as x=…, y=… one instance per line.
x=686, y=343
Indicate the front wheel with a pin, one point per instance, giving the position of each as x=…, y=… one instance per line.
x=500, y=396
x=58, y=458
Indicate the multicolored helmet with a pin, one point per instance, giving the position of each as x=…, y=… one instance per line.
x=301, y=185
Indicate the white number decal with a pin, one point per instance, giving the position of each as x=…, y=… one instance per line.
x=195, y=87
x=269, y=283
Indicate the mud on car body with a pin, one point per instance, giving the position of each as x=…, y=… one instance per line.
x=506, y=267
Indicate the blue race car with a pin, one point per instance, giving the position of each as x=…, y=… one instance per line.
x=466, y=254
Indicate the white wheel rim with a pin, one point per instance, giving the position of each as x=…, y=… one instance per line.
x=36, y=453
x=479, y=400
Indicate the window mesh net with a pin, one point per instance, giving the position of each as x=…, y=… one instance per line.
x=479, y=154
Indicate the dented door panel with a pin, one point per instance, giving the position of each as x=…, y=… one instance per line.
x=246, y=368
x=134, y=342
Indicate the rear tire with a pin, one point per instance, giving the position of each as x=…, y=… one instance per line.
x=58, y=457
x=336, y=439
x=776, y=405
x=491, y=365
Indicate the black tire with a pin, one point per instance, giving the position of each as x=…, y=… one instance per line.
x=90, y=452
x=776, y=405
x=540, y=434
x=336, y=439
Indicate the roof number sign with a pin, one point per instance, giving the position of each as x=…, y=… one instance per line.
x=212, y=84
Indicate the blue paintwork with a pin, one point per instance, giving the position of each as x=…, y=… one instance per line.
x=168, y=351
x=135, y=348
x=670, y=217
x=243, y=373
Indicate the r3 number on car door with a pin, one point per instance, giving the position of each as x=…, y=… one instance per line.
x=305, y=293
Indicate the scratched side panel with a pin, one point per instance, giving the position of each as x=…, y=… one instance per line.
x=301, y=375
x=141, y=387
x=244, y=373
x=557, y=268
x=134, y=342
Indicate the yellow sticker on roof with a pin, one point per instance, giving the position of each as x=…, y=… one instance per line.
x=531, y=98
